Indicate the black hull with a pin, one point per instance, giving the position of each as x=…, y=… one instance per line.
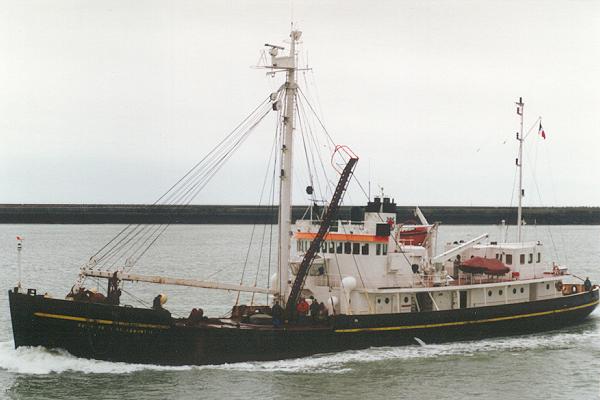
x=136, y=335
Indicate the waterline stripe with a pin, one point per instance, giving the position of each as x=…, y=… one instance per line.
x=99, y=321
x=480, y=321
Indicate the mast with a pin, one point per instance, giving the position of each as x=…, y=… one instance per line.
x=520, y=106
x=285, y=177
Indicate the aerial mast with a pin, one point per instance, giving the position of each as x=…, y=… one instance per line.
x=520, y=106
x=285, y=177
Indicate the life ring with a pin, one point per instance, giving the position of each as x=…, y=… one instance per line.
x=573, y=289
x=559, y=286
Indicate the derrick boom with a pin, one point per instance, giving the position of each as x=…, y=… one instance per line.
x=315, y=245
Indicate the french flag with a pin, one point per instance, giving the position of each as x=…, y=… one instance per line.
x=542, y=132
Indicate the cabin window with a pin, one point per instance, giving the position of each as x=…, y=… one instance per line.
x=347, y=247
x=515, y=291
x=298, y=246
x=332, y=247
x=539, y=259
x=500, y=292
x=355, y=248
x=340, y=247
x=387, y=300
x=378, y=249
x=530, y=260
x=509, y=259
x=497, y=256
x=522, y=259
x=522, y=290
x=489, y=292
x=405, y=299
x=384, y=249
x=365, y=249
x=547, y=286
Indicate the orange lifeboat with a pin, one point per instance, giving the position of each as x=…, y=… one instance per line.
x=414, y=235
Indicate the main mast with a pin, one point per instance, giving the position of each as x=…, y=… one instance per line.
x=285, y=177
x=520, y=106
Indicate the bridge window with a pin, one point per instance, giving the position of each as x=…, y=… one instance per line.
x=378, y=249
x=347, y=247
x=324, y=247
x=384, y=249
x=530, y=259
x=339, y=248
x=509, y=259
x=355, y=248
x=365, y=249
x=332, y=247
x=522, y=259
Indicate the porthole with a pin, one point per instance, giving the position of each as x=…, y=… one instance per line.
x=387, y=300
x=547, y=286
x=500, y=292
x=489, y=292
x=522, y=290
x=406, y=299
x=514, y=291
x=378, y=301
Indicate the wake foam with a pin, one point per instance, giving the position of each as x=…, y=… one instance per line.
x=37, y=360
x=343, y=362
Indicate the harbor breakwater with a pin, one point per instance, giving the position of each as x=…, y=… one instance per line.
x=248, y=214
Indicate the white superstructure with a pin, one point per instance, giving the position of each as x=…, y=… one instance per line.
x=380, y=266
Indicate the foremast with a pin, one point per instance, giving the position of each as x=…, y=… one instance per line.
x=287, y=155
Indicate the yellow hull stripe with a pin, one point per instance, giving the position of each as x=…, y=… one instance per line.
x=99, y=321
x=480, y=321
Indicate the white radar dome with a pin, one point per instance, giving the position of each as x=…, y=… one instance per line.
x=349, y=283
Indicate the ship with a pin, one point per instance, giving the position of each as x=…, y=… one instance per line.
x=339, y=285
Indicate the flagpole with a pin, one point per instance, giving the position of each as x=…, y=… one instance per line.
x=520, y=106
x=19, y=248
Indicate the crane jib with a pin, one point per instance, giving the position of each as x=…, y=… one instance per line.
x=315, y=245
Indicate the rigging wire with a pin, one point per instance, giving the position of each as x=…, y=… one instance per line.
x=133, y=241
x=141, y=230
x=265, y=101
x=271, y=155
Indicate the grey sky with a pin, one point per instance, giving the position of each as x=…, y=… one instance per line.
x=111, y=101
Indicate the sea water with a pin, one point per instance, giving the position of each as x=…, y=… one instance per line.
x=552, y=365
